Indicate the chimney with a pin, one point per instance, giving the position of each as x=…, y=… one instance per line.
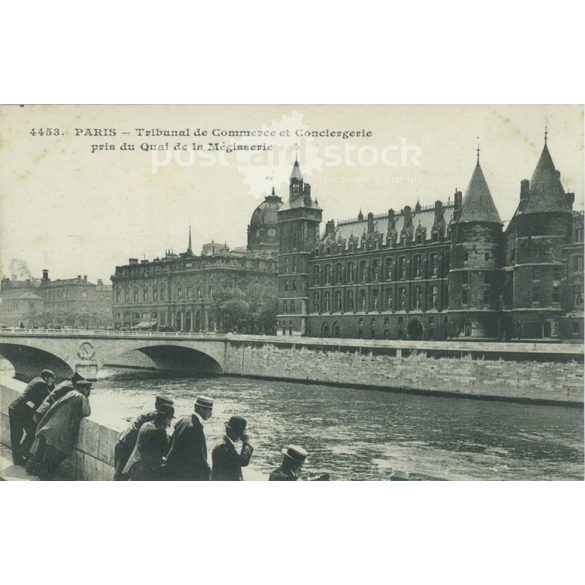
x=79, y=278
x=100, y=282
x=524, y=187
x=135, y=260
x=45, y=275
x=370, y=222
x=458, y=205
x=570, y=199
x=85, y=278
x=438, y=209
x=407, y=212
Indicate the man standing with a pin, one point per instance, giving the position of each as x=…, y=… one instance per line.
x=151, y=446
x=57, y=432
x=230, y=456
x=127, y=438
x=21, y=415
x=187, y=457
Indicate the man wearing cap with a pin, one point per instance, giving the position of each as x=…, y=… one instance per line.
x=230, y=455
x=21, y=415
x=58, y=430
x=152, y=445
x=292, y=462
x=59, y=391
x=127, y=438
x=187, y=457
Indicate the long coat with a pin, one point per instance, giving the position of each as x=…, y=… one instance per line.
x=146, y=459
x=228, y=463
x=60, y=425
x=55, y=394
x=187, y=457
x=127, y=441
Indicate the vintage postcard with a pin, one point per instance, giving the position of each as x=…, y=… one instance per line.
x=289, y=292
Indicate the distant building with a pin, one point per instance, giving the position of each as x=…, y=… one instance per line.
x=72, y=302
x=445, y=271
x=76, y=302
x=19, y=307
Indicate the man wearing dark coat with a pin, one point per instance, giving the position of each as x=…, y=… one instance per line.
x=152, y=445
x=58, y=392
x=292, y=462
x=21, y=415
x=229, y=456
x=127, y=438
x=57, y=432
x=187, y=457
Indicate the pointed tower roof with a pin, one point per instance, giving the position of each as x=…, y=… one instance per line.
x=296, y=172
x=478, y=204
x=546, y=192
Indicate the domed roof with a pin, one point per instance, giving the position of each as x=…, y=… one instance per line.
x=266, y=213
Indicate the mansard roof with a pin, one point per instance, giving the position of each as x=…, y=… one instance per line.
x=426, y=217
x=546, y=192
x=478, y=204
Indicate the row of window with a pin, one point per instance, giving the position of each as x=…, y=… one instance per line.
x=338, y=302
x=374, y=270
x=158, y=294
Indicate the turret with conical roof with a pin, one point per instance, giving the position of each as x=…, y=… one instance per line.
x=478, y=204
x=476, y=262
x=534, y=244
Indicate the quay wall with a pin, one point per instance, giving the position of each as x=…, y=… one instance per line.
x=93, y=457
x=487, y=371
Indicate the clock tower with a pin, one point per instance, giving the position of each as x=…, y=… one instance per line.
x=298, y=231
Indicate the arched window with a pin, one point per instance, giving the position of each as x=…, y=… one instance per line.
x=418, y=265
x=402, y=267
x=145, y=294
x=136, y=293
x=388, y=269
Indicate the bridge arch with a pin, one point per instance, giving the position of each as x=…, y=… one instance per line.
x=28, y=361
x=175, y=357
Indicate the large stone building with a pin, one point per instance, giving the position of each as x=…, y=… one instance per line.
x=448, y=270
x=221, y=289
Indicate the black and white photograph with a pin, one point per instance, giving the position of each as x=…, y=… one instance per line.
x=286, y=293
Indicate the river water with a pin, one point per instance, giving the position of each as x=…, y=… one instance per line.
x=364, y=434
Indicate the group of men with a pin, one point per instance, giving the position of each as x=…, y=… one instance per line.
x=143, y=451
x=44, y=422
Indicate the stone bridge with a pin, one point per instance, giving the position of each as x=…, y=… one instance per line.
x=86, y=351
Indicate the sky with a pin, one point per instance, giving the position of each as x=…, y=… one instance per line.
x=74, y=211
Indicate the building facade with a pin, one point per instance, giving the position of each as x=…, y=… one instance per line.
x=219, y=290
x=446, y=271
x=68, y=302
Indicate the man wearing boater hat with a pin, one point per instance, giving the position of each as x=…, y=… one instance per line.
x=292, y=462
x=127, y=438
x=187, y=457
x=233, y=453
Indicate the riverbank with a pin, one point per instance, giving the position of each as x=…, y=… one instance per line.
x=480, y=371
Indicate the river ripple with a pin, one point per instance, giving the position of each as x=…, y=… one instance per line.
x=364, y=434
